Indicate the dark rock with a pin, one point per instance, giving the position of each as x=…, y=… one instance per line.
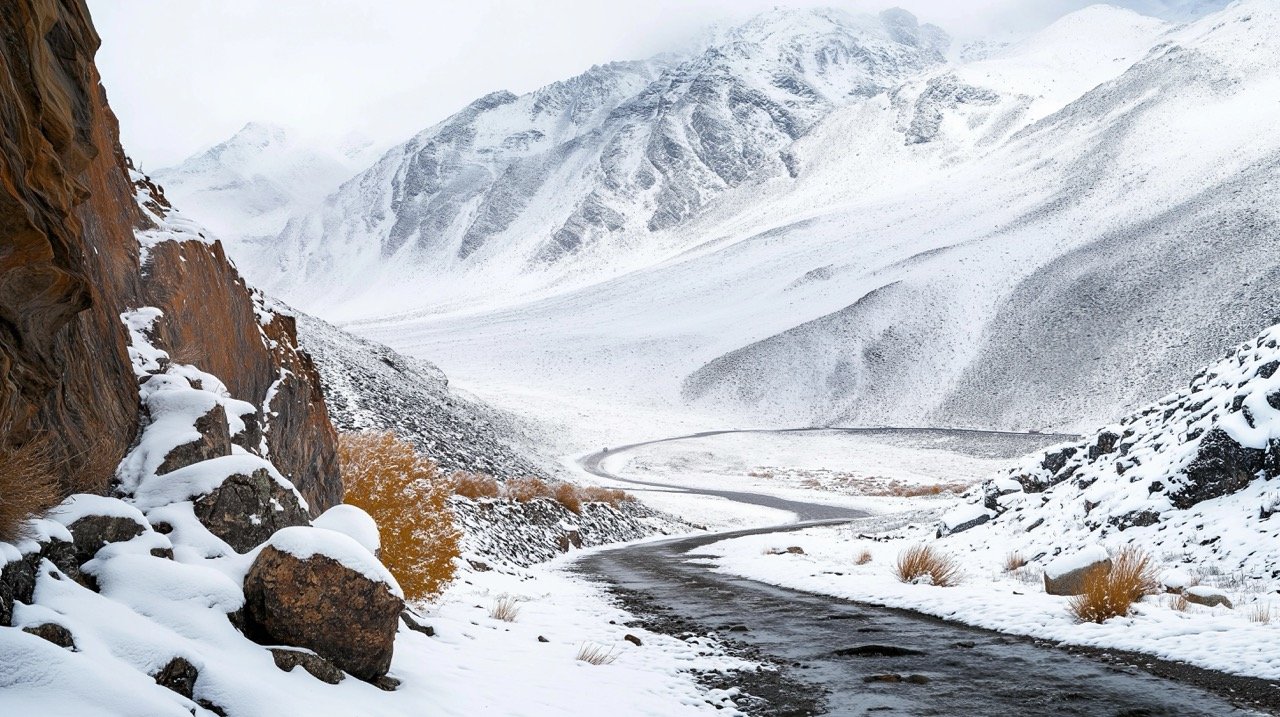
x=917, y=679
x=633, y=640
x=876, y=651
x=178, y=675
x=795, y=550
x=214, y=708
x=1136, y=519
x=53, y=632
x=214, y=442
x=542, y=639
x=17, y=583
x=1056, y=461
x=250, y=438
x=247, y=509
x=739, y=628
x=1072, y=583
x=1221, y=467
x=479, y=566
x=570, y=539
x=92, y=532
x=891, y=678
x=1105, y=444
x=1206, y=599
x=386, y=683
x=322, y=605
x=163, y=553
x=315, y=665
x=411, y=622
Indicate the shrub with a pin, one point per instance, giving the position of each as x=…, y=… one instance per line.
x=611, y=496
x=1014, y=562
x=596, y=654
x=1260, y=613
x=475, y=485
x=523, y=490
x=28, y=485
x=1107, y=594
x=505, y=609
x=864, y=557
x=1179, y=602
x=567, y=494
x=408, y=498
x=923, y=560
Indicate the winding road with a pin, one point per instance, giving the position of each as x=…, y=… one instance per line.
x=842, y=658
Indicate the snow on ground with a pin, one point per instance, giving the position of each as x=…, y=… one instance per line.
x=1215, y=638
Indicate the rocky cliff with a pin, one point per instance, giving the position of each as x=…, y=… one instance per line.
x=71, y=216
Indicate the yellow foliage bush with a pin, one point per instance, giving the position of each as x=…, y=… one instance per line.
x=523, y=490
x=408, y=498
x=1107, y=594
x=475, y=485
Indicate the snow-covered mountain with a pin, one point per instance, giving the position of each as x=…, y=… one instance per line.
x=247, y=187
x=819, y=220
x=578, y=175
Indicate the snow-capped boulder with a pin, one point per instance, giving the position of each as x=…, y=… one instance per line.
x=95, y=521
x=962, y=519
x=1207, y=596
x=248, y=507
x=321, y=590
x=1065, y=575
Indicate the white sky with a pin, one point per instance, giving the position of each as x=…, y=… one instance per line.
x=185, y=74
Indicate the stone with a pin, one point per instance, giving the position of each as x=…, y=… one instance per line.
x=1071, y=582
x=247, y=509
x=570, y=539
x=411, y=621
x=17, y=583
x=1221, y=467
x=876, y=651
x=633, y=640
x=795, y=550
x=1208, y=597
x=53, y=632
x=386, y=683
x=542, y=639
x=178, y=675
x=315, y=665
x=92, y=532
x=214, y=442
x=319, y=604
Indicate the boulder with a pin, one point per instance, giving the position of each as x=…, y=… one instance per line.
x=178, y=675
x=53, y=632
x=214, y=442
x=966, y=517
x=568, y=540
x=1065, y=575
x=92, y=532
x=1207, y=596
x=245, y=510
x=315, y=665
x=411, y=621
x=1221, y=467
x=322, y=591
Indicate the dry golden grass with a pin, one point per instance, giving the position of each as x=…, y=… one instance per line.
x=1260, y=613
x=864, y=557
x=475, y=485
x=505, y=609
x=525, y=489
x=567, y=494
x=923, y=560
x=408, y=498
x=610, y=496
x=28, y=485
x=593, y=654
x=1014, y=562
x=1112, y=594
x=94, y=469
x=898, y=489
x=1179, y=602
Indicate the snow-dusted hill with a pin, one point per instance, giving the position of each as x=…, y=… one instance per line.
x=841, y=227
x=247, y=187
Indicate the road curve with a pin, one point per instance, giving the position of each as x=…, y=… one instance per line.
x=845, y=658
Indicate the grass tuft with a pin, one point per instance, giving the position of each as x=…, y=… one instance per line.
x=1112, y=594
x=1260, y=613
x=864, y=557
x=593, y=654
x=29, y=485
x=505, y=609
x=1014, y=562
x=921, y=561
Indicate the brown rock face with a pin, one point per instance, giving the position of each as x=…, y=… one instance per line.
x=69, y=266
x=321, y=605
x=214, y=442
x=246, y=510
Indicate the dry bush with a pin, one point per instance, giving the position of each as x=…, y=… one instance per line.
x=567, y=494
x=475, y=485
x=523, y=490
x=921, y=560
x=899, y=489
x=1111, y=594
x=598, y=494
x=1179, y=602
x=596, y=654
x=28, y=485
x=505, y=609
x=1014, y=562
x=94, y=468
x=408, y=498
x=1260, y=613
x=864, y=557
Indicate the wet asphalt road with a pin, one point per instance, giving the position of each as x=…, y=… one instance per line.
x=833, y=646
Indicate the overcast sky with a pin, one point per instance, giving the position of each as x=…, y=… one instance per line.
x=185, y=74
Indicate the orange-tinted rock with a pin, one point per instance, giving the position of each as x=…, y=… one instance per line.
x=69, y=268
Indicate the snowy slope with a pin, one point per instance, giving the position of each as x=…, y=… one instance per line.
x=247, y=187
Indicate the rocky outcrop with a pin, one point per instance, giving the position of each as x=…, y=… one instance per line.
x=71, y=264
x=309, y=602
x=247, y=509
